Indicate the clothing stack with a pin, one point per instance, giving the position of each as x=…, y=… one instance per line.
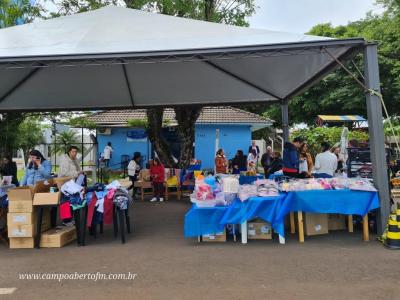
x=22, y=218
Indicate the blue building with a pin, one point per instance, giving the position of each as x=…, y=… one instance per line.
x=217, y=127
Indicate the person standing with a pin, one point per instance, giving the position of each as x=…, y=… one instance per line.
x=107, y=153
x=157, y=174
x=325, y=162
x=291, y=157
x=38, y=169
x=306, y=163
x=255, y=148
x=221, y=163
x=276, y=164
x=239, y=163
x=266, y=159
x=340, y=165
x=9, y=168
x=69, y=164
x=252, y=161
x=134, y=169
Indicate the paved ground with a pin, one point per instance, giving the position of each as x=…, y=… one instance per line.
x=338, y=266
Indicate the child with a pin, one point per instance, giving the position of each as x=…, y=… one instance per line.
x=157, y=174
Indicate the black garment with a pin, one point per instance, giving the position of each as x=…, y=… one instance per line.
x=276, y=165
x=158, y=190
x=241, y=162
x=266, y=160
x=257, y=150
x=10, y=169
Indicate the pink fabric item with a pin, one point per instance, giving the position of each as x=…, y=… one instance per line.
x=65, y=211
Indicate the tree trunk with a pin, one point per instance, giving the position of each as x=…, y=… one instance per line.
x=209, y=6
x=154, y=119
x=186, y=118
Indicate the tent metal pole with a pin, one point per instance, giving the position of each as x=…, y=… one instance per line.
x=376, y=136
x=285, y=119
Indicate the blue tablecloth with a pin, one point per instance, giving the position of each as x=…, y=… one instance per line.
x=204, y=220
x=329, y=201
x=266, y=208
x=249, y=179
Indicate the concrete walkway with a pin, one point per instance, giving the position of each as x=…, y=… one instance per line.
x=336, y=266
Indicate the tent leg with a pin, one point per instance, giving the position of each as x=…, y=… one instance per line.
x=285, y=119
x=376, y=136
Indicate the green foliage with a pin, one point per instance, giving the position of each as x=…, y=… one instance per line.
x=14, y=12
x=64, y=140
x=29, y=134
x=396, y=126
x=138, y=123
x=338, y=93
x=82, y=122
x=314, y=136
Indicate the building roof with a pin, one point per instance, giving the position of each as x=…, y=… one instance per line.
x=346, y=118
x=209, y=115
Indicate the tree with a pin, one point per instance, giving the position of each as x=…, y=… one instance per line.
x=14, y=12
x=64, y=140
x=232, y=12
x=316, y=135
x=338, y=92
x=28, y=135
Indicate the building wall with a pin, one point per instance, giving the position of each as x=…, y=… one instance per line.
x=121, y=146
x=231, y=139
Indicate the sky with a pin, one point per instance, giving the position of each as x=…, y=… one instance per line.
x=299, y=16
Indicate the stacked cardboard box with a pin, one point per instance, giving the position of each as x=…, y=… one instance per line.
x=22, y=218
x=259, y=230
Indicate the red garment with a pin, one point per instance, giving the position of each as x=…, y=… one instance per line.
x=65, y=211
x=91, y=209
x=157, y=173
x=108, y=207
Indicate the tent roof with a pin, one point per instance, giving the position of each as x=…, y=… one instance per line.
x=117, y=57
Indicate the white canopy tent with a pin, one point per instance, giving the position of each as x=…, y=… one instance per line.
x=122, y=58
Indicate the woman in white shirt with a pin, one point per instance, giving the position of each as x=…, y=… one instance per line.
x=134, y=169
x=325, y=162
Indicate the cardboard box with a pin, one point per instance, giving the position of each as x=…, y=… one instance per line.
x=259, y=230
x=315, y=224
x=24, y=193
x=21, y=218
x=29, y=230
x=46, y=198
x=22, y=243
x=336, y=222
x=59, y=181
x=58, y=237
x=217, y=237
x=20, y=206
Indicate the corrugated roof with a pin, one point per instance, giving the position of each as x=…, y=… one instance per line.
x=345, y=118
x=209, y=115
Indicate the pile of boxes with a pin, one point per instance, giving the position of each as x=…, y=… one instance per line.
x=23, y=210
x=22, y=218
